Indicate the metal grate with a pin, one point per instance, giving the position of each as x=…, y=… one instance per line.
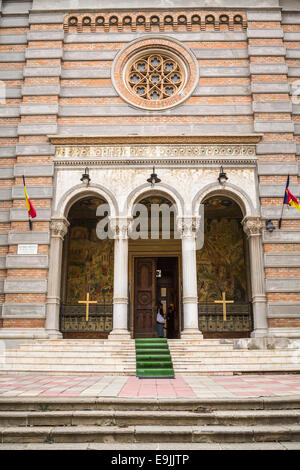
x=239, y=317
x=73, y=320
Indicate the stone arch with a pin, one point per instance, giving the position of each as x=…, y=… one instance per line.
x=160, y=189
x=229, y=190
x=79, y=192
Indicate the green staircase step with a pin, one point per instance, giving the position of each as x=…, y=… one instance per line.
x=153, y=358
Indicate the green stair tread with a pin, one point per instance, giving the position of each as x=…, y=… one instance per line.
x=153, y=358
x=155, y=372
x=154, y=365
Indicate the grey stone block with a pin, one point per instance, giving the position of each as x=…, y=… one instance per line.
x=3, y=262
x=281, y=236
x=291, y=36
x=276, y=147
x=13, y=39
x=234, y=53
x=15, y=7
x=293, y=71
x=31, y=109
x=9, y=111
x=88, y=72
x=290, y=18
x=273, y=126
x=12, y=56
x=40, y=90
x=5, y=194
x=14, y=74
x=35, y=192
x=266, y=15
x=21, y=215
x=41, y=238
x=157, y=129
x=46, y=17
x=277, y=190
x=6, y=131
x=297, y=129
x=24, y=261
x=275, y=212
x=41, y=71
x=3, y=239
x=73, y=92
x=220, y=90
x=282, y=260
x=264, y=33
x=277, y=168
x=1, y=286
x=270, y=87
x=224, y=71
x=13, y=92
x=35, y=149
x=50, y=53
x=268, y=69
x=293, y=53
x=80, y=55
x=34, y=170
x=25, y=286
x=23, y=310
x=283, y=284
x=6, y=172
x=185, y=110
x=46, y=35
x=14, y=21
x=272, y=107
x=7, y=152
x=4, y=215
x=37, y=129
x=283, y=310
x=267, y=50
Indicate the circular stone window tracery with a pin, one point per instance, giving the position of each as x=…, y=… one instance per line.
x=155, y=73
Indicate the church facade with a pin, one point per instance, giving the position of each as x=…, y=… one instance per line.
x=188, y=106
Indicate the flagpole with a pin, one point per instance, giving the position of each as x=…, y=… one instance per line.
x=284, y=202
x=29, y=219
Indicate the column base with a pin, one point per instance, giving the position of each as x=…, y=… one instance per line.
x=194, y=334
x=259, y=333
x=119, y=335
x=54, y=334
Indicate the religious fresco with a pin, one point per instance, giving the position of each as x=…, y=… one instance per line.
x=90, y=261
x=221, y=262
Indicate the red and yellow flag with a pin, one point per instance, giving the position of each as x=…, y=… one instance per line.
x=30, y=208
x=292, y=200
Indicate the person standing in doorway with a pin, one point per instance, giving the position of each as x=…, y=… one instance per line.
x=160, y=320
x=170, y=321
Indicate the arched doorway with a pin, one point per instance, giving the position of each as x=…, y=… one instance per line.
x=88, y=264
x=154, y=266
x=223, y=272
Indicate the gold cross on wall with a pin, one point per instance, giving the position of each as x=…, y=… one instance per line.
x=87, y=302
x=224, y=302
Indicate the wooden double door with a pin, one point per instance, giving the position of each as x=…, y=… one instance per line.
x=155, y=280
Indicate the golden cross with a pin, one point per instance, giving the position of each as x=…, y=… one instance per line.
x=224, y=302
x=87, y=302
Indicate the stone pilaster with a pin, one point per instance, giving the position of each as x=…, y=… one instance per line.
x=253, y=228
x=189, y=226
x=58, y=229
x=119, y=227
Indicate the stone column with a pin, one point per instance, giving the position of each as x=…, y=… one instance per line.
x=119, y=228
x=253, y=227
x=189, y=227
x=58, y=229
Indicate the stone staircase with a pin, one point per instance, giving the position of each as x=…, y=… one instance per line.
x=110, y=357
x=113, y=423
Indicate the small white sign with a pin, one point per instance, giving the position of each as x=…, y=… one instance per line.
x=27, y=249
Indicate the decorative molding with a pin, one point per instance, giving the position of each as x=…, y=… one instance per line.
x=156, y=21
x=252, y=226
x=59, y=228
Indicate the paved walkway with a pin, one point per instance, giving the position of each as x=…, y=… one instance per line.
x=95, y=385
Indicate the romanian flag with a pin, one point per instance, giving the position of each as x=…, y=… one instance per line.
x=289, y=198
x=30, y=208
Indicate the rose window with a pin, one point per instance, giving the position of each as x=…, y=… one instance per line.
x=155, y=76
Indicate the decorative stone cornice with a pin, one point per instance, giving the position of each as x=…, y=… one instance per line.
x=59, y=228
x=188, y=226
x=252, y=226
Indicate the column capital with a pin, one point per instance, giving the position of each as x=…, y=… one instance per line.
x=119, y=226
x=188, y=226
x=252, y=226
x=59, y=227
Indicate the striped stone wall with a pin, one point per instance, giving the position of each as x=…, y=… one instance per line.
x=57, y=78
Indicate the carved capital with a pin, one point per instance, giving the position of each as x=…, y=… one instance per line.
x=252, y=226
x=119, y=227
x=188, y=226
x=59, y=227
